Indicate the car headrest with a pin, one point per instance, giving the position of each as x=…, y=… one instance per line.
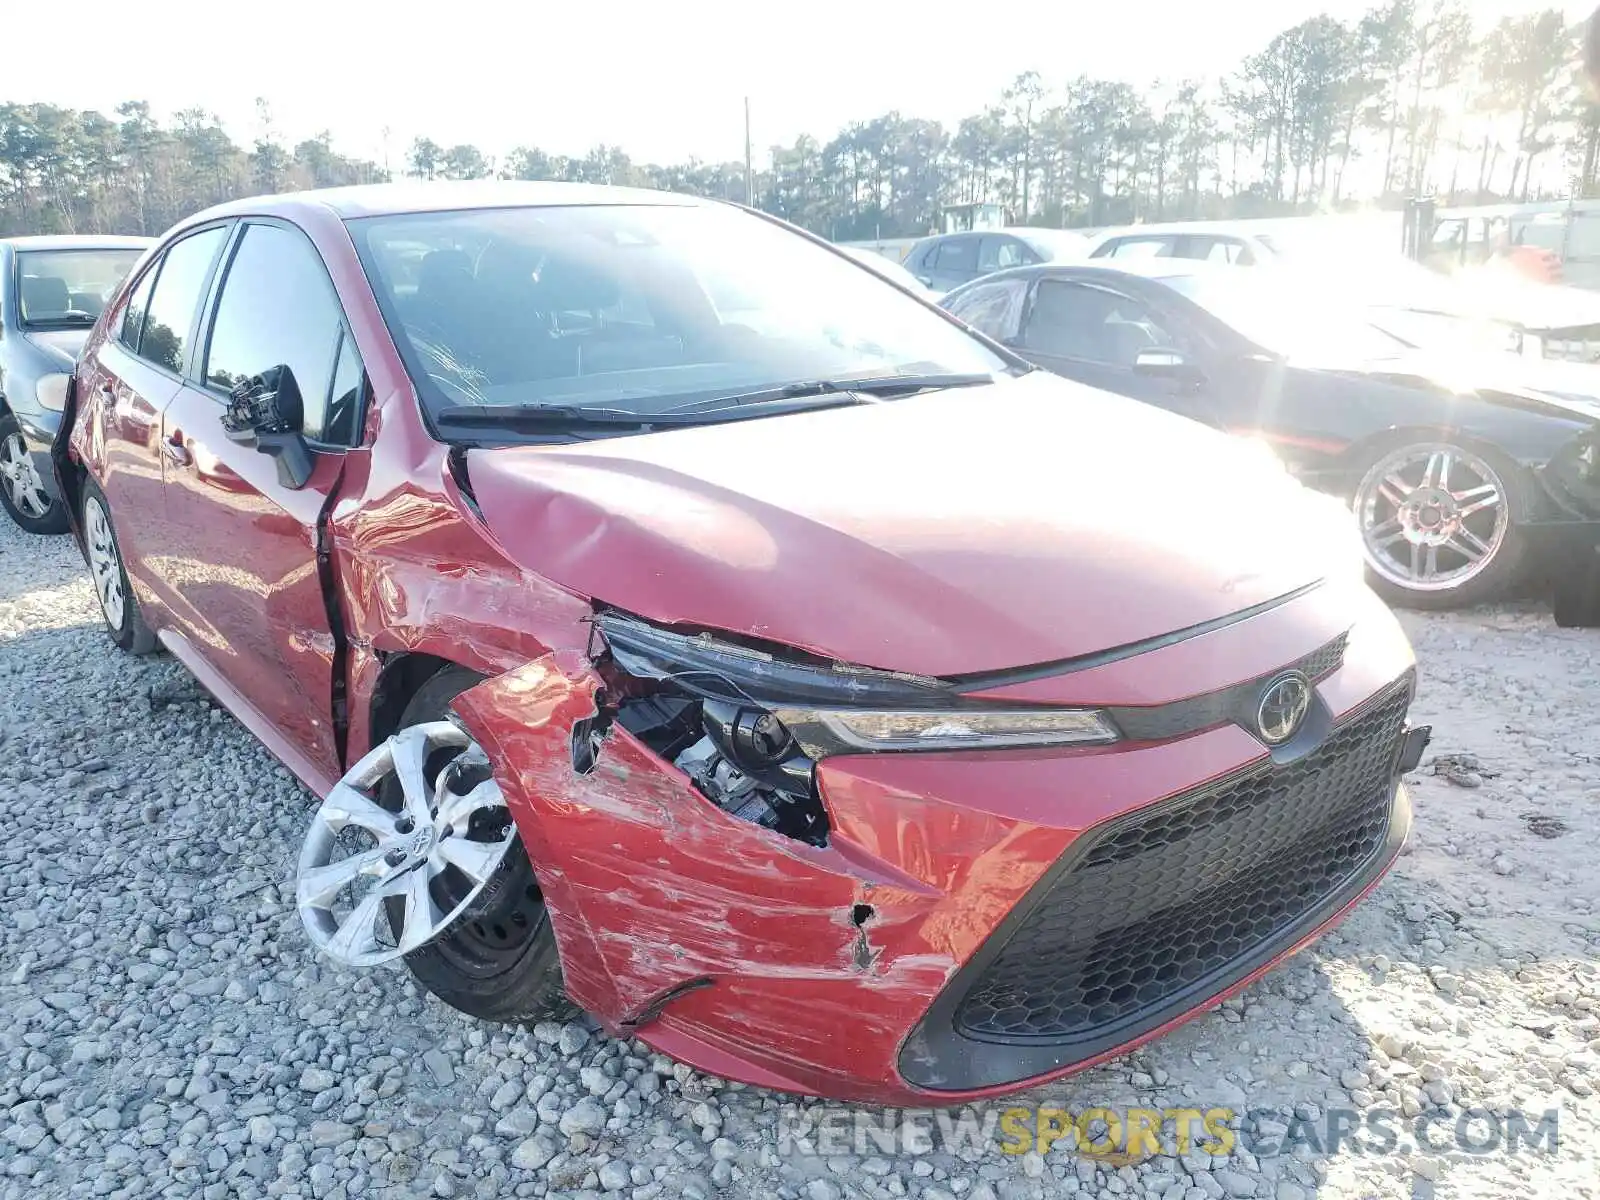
x=44, y=294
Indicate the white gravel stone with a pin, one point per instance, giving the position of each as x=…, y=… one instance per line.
x=583, y=1117
x=534, y=1153
x=168, y=1031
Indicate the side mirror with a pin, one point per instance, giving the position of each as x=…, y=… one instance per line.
x=265, y=413
x=1165, y=364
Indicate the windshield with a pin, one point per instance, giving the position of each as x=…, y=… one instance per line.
x=638, y=309
x=886, y=267
x=1447, y=332
x=1287, y=321
x=68, y=288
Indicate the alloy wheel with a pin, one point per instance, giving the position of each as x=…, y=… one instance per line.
x=21, y=478
x=1433, y=517
x=430, y=858
x=105, y=567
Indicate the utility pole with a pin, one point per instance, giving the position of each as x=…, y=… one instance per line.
x=749, y=174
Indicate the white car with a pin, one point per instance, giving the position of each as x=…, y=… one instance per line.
x=889, y=269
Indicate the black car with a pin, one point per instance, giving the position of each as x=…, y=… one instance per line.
x=51, y=291
x=1459, y=470
x=948, y=260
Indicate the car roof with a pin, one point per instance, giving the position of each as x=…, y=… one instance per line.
x=1164, y=268
x=1236, y=228
x=1157, y=270
x=78, y=241
x=392, y=199
x=1021, y=231
x=1144, y=268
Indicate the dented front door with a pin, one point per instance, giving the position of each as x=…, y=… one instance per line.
x=244, y=584
x=248, y=591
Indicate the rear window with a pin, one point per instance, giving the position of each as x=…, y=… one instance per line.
x=68, y=288
x=169, y=322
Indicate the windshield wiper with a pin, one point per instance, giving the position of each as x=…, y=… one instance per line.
x=543, y=414
x=72, y=322
x=578, y=416
x=873, y=386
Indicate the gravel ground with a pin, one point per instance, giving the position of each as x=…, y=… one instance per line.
x=166, y=1031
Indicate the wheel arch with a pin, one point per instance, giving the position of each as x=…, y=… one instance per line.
x=402, y=674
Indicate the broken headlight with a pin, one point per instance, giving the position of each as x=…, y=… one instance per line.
x=748, y=726
x=835, y=709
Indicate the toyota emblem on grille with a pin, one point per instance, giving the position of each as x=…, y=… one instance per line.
x=1283, y=706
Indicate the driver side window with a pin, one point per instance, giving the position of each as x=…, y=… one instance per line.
x=993, y=309
x=1093, y=324
x=278, y=307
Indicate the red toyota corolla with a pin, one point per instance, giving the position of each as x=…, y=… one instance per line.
x=680, y=620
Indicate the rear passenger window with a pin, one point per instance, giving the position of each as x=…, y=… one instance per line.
x=133, y=315
x=169, y=323
x=1143, y=248
x=278, y=308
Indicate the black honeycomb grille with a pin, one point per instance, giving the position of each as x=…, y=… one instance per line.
x=1321, y=662
x=1161, y=904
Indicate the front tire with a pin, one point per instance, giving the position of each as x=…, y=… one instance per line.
x=24, y=493
x=498, y=961
x=118, y=605
x=1441, y=524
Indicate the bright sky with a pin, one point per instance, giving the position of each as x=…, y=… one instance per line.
x=665, y=81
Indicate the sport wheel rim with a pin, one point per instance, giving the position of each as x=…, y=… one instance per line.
x=1433, y=517
x=105, y=568
x=21, y=478
x=447, y=838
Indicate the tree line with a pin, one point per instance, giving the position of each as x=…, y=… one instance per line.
x=1410, y=99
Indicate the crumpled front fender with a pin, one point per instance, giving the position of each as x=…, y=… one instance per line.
x=764, y=958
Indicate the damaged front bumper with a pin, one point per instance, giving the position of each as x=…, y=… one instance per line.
x=894, y=955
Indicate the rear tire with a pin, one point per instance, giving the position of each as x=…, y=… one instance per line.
x=118, y=605
x=24, y=494
x=498, y=962
x=1433, y=543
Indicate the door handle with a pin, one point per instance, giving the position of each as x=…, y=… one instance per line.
x=175, y=450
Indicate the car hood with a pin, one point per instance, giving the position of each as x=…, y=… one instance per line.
x=955, y=532
x=1559, y=388
x=62, y=345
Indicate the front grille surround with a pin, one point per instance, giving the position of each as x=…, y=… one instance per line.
x=1006, y=1016
x=1237, y=703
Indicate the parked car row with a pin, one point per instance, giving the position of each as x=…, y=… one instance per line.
x=676, y=620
